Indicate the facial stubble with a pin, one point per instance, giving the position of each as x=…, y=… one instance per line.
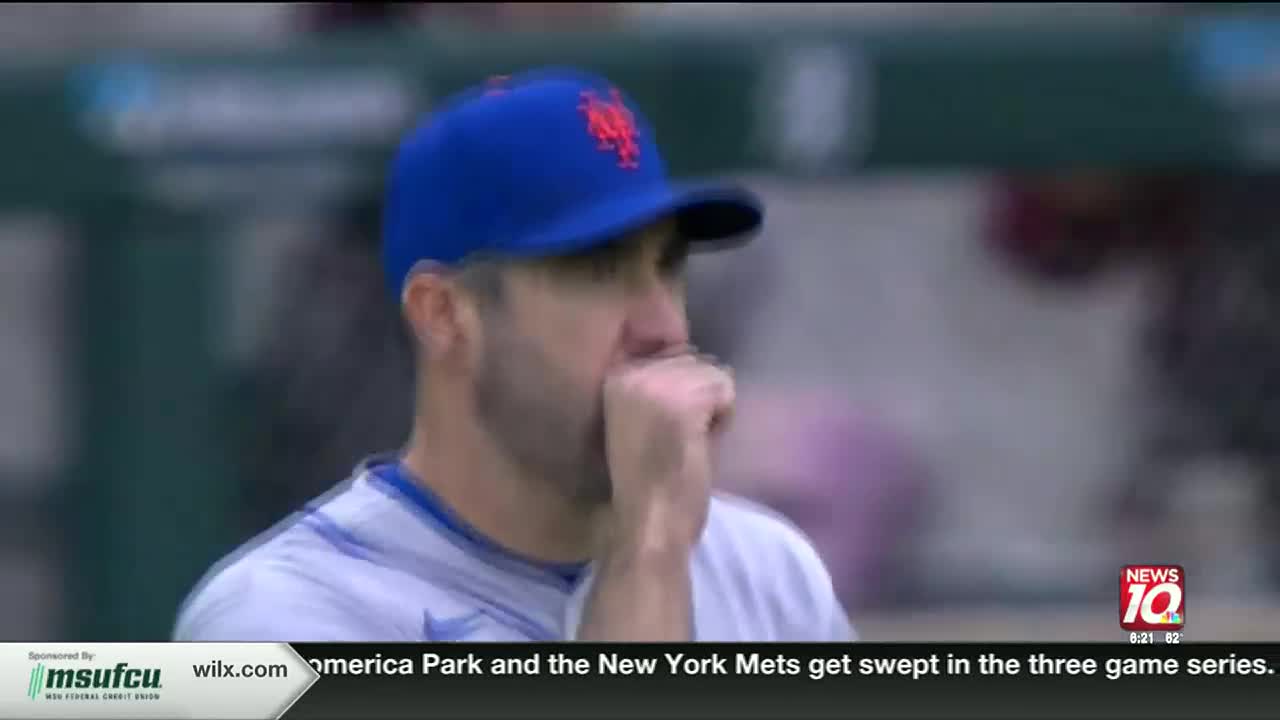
x=550, y=424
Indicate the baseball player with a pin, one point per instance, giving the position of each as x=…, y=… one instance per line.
x=556, y=483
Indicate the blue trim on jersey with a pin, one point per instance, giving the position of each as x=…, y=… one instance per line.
x=336, y=535
x=465, y=546
x=344, y=542
x=397, y=476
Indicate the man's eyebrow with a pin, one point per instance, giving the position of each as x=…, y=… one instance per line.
x=626, y=245
x=631, y=244
x=604, y=250
x=676, y=246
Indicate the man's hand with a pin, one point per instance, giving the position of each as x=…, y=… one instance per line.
x=660, y=415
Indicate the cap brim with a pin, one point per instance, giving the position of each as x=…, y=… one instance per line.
x=711, y=217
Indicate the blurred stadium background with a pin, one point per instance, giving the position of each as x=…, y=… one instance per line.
x=1012, y=324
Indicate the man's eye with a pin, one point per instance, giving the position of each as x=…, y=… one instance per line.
x=604, y=267
x=593, y=267
x=674, y=261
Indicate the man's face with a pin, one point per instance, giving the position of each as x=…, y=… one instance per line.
x=548, y=345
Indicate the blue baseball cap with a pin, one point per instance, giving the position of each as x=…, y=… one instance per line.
x=549, y=162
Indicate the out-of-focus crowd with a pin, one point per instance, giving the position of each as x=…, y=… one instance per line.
x=36, y=28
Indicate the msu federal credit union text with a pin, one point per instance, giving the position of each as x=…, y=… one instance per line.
x=606, y=663
x=118, y=682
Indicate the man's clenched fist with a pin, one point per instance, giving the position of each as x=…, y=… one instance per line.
x=659, y=417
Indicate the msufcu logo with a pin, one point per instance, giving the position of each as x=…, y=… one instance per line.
x=53, y=683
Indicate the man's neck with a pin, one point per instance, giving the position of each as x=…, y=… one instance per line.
x=464, y=467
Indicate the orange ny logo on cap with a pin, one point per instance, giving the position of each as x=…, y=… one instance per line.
x=613, y=126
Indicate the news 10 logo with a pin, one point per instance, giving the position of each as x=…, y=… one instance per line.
x=1152, y=597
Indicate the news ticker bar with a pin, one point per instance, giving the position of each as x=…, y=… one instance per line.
x=578, y=680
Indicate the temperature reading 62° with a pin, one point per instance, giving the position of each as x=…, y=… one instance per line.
x=1172, y=638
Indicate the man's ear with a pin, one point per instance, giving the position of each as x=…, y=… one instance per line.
x=440, y=315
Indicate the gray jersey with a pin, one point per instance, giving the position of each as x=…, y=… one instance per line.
x=382, y=559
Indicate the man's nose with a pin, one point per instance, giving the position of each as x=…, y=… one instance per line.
x=656, y=321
